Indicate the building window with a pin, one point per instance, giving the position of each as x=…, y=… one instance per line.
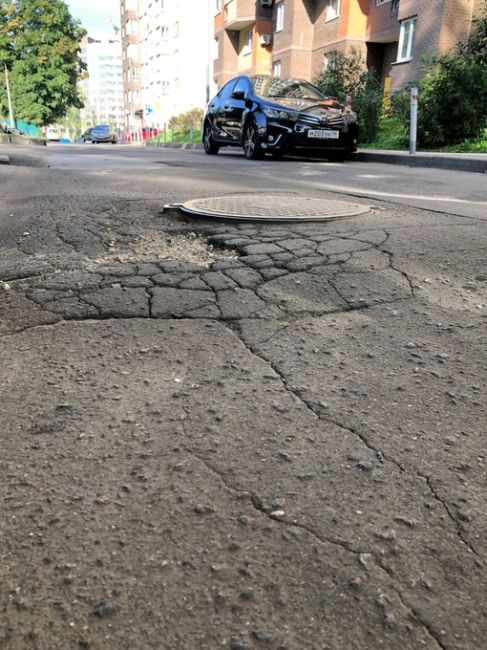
x=164, y=88
x=279, y=16
x=216, y=48
x=217, y=6
x=381, y=2
x=276, y=69
x=406, y=40
x=332, y=9
x=247, y=46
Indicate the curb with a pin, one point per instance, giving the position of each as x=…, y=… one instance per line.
x=21, y=140
x=174, y=145
x=425, y=160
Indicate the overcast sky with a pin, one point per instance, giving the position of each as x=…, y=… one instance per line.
x=95, y=15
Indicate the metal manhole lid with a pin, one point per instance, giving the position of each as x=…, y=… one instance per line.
x=273, y=207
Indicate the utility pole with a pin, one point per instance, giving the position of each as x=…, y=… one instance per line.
x=9, y=98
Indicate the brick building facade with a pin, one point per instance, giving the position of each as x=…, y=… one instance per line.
x=297, y=38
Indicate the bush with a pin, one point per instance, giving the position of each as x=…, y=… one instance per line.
x=342, y=76
x=453, y=100
x=367, y=103
x=400, y=106
x=347, y=75
x=181, y=122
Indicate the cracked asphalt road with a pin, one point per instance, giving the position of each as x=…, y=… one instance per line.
x=237, y=435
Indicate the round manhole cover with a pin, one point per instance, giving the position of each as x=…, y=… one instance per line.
x=269, y=207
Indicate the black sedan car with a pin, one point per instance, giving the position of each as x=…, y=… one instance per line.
x=273, y=115
x=99, y=133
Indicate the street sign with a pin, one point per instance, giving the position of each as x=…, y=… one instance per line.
x=148, y=109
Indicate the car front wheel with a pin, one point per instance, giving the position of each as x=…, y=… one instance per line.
x=251, y=145
x=211, y=147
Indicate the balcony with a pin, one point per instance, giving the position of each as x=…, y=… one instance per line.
x=238, y=14
x=130, y=15
x=130, y=39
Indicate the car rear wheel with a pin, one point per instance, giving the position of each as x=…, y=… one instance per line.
x=211, y=147
x=251, y=144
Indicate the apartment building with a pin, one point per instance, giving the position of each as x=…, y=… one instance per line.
x=129, y=21
x=167, y=48
x=299, y=38
x=102, y=89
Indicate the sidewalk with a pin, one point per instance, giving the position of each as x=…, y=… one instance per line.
x=465, y=162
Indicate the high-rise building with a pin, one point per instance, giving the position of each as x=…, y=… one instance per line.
x=102, y=88
x=166, y=58
x=298, y=38
x=129, y=15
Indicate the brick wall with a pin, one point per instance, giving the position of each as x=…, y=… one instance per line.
x=292, y=45
x=306, y=35
x=440, y=24
x=382, y=24
x=226, y=65
x=456, y=21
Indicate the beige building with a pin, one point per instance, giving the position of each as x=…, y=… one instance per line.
x=298, y=38
x=129, y=19
x=167, y=56
x=102, y=89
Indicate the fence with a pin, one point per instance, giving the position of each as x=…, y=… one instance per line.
x=30, y=130
x=190, y=135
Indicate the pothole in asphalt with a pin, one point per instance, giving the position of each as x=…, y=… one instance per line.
x=153, y=245
x=269, y=207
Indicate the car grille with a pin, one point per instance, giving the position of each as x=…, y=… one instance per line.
x=313, y=119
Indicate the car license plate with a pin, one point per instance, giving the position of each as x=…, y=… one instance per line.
x=327, y=134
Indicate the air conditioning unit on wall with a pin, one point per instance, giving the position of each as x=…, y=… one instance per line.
x=265, y=39
x=266, y=3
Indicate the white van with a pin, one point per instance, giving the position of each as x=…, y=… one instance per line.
x=52, y=134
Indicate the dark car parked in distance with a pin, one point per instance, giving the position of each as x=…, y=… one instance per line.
x=272, y=115
x=99, y=133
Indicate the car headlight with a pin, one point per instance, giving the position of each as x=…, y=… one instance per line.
x=276, y=114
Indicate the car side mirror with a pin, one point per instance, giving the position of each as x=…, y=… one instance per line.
x=238, y=94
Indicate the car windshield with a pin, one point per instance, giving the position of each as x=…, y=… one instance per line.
x=275, y=87
x=101, y=127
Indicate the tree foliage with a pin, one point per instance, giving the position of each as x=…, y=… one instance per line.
x=182, y=122
x=347, y=75
x=40, y=45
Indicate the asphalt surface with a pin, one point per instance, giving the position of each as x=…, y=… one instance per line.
x=240, y=435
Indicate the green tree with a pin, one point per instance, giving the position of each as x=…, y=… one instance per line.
x=343, y=74
x=181, y=123
x=40, y=45
x=347, y=75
